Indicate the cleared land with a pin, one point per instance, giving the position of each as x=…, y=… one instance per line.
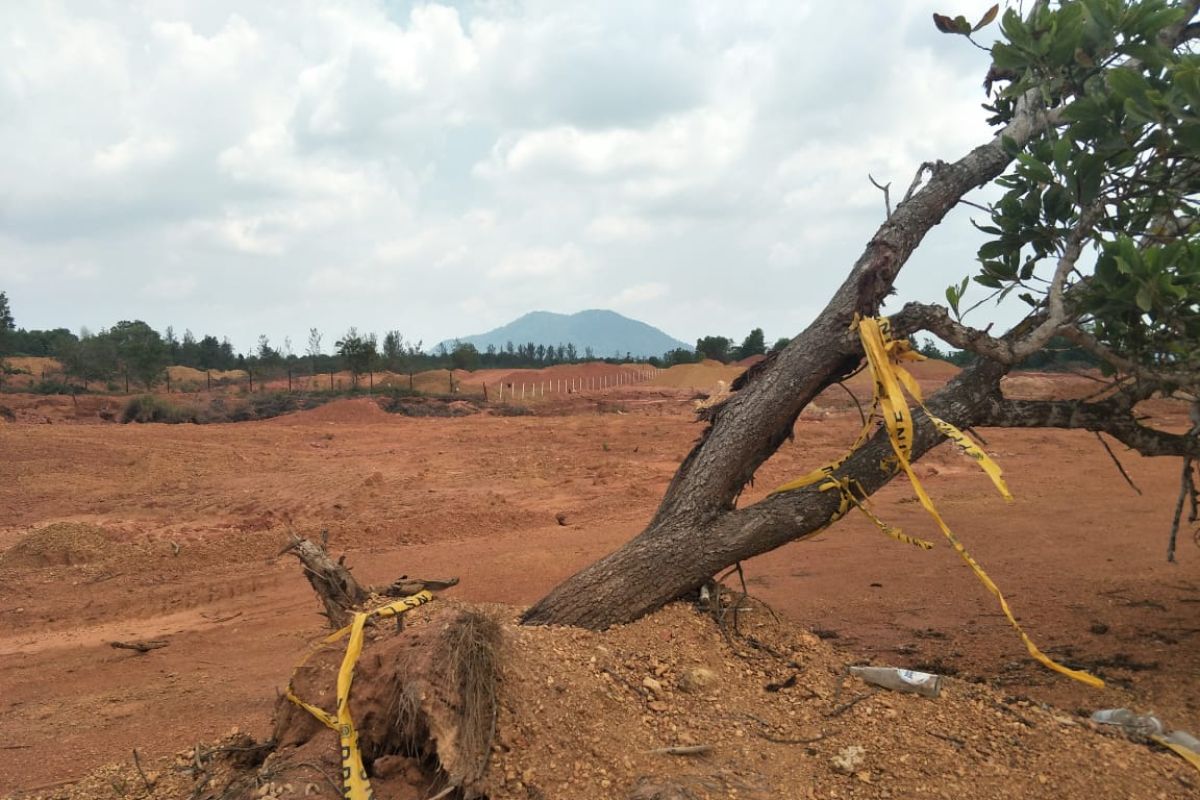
x=170, y=532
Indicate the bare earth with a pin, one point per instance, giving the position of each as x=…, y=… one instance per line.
x=170, y=532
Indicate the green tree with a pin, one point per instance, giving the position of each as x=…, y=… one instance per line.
x=7, y=324
x=714, y=347
x=780, y=343
x=393, y=350
x=753, y=345
x=209, y=355
x=464, y=356
x=357, y=352
x=680, y=355
x=140, y=351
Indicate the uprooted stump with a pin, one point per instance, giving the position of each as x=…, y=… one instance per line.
x=424, y=704
x=338, y=589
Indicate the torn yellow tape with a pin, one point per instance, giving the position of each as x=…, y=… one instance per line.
x=1187, y=754
x=355, y=784
x=899, y=427
x=890, y=381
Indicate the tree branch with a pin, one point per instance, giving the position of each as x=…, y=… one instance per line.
x=1114, y=417
x=936, y=319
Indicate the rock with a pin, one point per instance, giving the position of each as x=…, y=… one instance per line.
x=849, y=759
x=560, y=518
x=697, y=679
x=654, y=686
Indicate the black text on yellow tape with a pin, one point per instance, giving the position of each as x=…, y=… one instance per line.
x=355, y=785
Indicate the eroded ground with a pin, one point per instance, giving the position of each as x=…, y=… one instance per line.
x=173, y=532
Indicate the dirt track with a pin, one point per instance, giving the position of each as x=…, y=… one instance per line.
x=1080, y=557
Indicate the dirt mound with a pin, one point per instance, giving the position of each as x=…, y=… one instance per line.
x=62, y=544
x=668, y=707
x=182, y=375
x=358, y=410
x=704, y=375
x=776, y=711
x=35, y=365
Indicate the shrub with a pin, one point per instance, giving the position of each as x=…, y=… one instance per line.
x=53, y=386
x=148, y=408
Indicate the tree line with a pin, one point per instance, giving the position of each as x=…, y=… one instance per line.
x=132, y=353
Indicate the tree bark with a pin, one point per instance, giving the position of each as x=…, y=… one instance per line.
x=696, y=532
x=675, y=556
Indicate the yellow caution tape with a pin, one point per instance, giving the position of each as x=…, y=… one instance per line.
x=884, y=357
x=1187, y=754
x=355, y=785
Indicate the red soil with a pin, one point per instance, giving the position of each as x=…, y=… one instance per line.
x=181, y=524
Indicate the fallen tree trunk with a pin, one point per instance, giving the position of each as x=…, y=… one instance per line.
x=696, y=531
x=675, y=556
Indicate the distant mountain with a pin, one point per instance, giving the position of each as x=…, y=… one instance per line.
x=606, y=332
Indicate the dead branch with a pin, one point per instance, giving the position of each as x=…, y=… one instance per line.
x=338, y=590
x=141, y=647
x=682, y=750
x=1186, y=489
x=404, y=586
x=849, y=704
x=1120, y=468
x=885, y=188
x=145, y=781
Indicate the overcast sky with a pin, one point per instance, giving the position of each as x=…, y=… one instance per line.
x=243, y=168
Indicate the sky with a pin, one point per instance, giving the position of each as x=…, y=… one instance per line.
x=441, y=168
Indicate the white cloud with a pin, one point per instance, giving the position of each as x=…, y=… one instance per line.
x=373, y=163
x=619, y=228
x=542, y=262
x=170, y=287
x=641, y=293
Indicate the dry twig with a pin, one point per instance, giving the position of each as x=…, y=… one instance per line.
x=682, y=750
x=140, y=646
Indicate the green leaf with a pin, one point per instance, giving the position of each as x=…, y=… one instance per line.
x=1127, y=82
x=1144, y=299
x=1036, y=169
x=1005, y=56
x=995, y=249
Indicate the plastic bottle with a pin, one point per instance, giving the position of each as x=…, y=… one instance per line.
x=1137, y=724
x=1183, y=739
x=901, y=680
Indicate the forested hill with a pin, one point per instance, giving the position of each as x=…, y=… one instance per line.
x=605, y=333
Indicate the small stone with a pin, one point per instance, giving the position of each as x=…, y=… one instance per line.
x=657, y=705
x=654, y=686
x=697, y=679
